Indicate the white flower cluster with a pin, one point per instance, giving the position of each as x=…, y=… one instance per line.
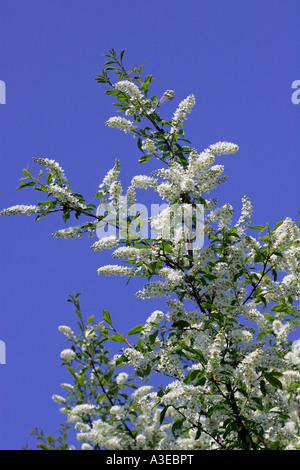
x=111, y=176
x=224, y=148
x=168, y=95
x=121, y=123
x=54, y=168
x=222, y=215
x=149, y=146
x=153, y=289
x=246, y=213
x=67, y=331
x=68, y=387
x=113, y=269
x=185, y=107
x=20, y=209
x=75, y=231
x=115, y=192
x=287, y=231
x=221, y=368
x=200, y=176
x=246, y=370
x=58, y=399
x=144, y=181
x=138, y=254
x=155, y=317
x=64, y=195
x=172, y=276
x=121, y=378
x=130, y=196
x=129, y=88
x=67, y=355
x=105, y=243
x=215, y=352
x=293, y=356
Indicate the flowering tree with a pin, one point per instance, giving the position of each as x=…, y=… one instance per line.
x=231, y=300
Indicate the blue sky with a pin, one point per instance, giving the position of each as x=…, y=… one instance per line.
x=238, y=57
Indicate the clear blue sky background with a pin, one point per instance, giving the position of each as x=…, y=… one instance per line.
x=238, y=57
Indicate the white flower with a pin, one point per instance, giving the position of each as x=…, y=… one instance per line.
x=141, y=391
x=63, y=195
x=58, y=399
x=144, y=182
x=75, y=231
x=198, y=163
x=168, y=95
x=246, y=369
x=222, y=215
x=66, y=330
x=20, y=209
x=155, y=317
x=113, y=269
x=79, y=410
x=130, y=196
x=86, y=446
x=121, y=123
x=129, y=88
x=67, y=355
x=68, y=387
x=224, y=148
x=111, y=175
x=54, y=169
x=105, y=243
x=245, y=213
x=69, y=232
x=82, y=427
x=184, y=107
x=148, y=145
x=174, y=277
x=121, y=378
x=285, y=232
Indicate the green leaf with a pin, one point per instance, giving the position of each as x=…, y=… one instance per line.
x=26, y=172
x=144, y=158
x=49, y=178
x=273, y=380
x=117, y=338
x=263, y=387
x=177, y=425
x=258, y=227
x=136, y=329
x=22, y=185
x=99, y=194
x=106, y=316
x=162, y=414
x=153, y=336
x=278, y=308
x=191, y=376
x=139, y=143
x=122, y=53
x=66, y=215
